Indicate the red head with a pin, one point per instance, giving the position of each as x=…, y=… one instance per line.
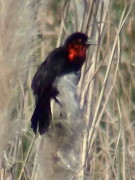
x=77, y=44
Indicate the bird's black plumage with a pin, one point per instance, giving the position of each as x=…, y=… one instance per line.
x=66, y=59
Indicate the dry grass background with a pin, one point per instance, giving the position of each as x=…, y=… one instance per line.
x=31, y=29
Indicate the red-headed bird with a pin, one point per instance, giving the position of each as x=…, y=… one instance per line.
x=66, y=59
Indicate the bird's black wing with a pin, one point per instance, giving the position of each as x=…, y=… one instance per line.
x=48, y=71
x=43, y=89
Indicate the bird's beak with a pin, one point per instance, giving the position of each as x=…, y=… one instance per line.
x=90, y=42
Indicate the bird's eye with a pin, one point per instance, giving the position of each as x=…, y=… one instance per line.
x=80, y=40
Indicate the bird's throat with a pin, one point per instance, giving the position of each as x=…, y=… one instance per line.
x=76, y=52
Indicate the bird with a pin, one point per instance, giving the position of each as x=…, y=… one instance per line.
x=66, y=59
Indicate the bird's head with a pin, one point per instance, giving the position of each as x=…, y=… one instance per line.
x=77, y=44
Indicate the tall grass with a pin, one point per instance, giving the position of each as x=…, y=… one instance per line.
x=17, y=36
x=100, y=145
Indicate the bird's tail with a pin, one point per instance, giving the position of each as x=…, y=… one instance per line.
x=41, y=117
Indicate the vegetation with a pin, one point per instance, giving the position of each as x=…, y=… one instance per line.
x=102, y=145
